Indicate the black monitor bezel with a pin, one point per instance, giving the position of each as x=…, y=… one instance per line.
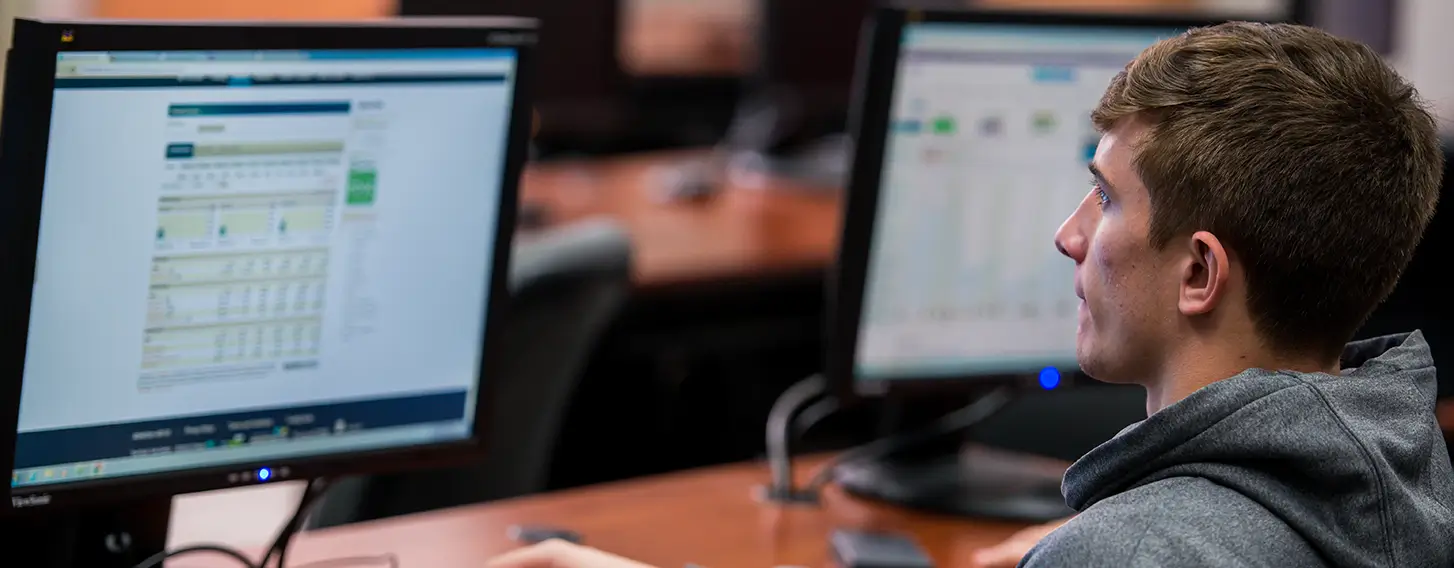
x=24, y=136
x=869, y=123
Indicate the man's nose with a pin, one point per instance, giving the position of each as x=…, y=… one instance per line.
x=1069, y=240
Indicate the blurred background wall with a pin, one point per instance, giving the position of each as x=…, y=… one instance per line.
x=242, y=9
x=1416, y=36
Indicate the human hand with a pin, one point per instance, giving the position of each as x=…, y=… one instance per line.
x=556, y=553
x=1007, y=553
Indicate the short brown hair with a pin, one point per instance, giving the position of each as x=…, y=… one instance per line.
x=1306, y=154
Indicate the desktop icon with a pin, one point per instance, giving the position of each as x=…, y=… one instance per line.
x=944, y=125
x=1043, y=122
x=49, y=473
x=33, y=475
x=991, y=126
x=908, y=126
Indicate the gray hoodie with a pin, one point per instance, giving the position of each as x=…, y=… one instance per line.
x=1273, y=469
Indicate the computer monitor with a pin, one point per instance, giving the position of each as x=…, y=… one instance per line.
x=812, y=46
x=578, y=59
x=239, y=254
x=804, y=75
x=972, y=139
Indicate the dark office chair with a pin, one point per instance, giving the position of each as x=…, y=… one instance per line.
x=566, y=286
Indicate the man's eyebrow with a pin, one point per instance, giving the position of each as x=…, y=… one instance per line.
x=1100, y=178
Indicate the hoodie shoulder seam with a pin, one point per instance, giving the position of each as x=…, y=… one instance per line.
x=1136, y=548
x=1367, y=461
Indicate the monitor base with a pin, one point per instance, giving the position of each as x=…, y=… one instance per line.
x=979, y=481
x=120, y=535
x=821, y=163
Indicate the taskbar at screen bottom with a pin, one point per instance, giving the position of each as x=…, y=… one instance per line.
x=200, y=441
x=324, y=445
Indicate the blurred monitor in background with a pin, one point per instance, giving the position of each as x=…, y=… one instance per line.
x=687, y=38
x=577, y=60
x=1368, y=21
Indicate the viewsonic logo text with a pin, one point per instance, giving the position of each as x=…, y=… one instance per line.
x=30, y=501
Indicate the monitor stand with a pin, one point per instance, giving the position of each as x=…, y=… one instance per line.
x=771, y=134
x=118, y=536
x=977, y=481
x=822, y=163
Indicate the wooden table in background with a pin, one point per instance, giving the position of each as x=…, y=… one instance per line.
x=708, y=517
x=750, y=230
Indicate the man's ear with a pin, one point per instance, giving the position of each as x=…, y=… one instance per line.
x=1205, y=280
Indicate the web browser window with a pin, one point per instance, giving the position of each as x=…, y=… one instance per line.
x=253, y=255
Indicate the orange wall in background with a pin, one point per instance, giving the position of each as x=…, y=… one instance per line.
x=243, y=9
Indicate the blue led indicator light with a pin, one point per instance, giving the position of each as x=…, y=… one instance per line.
x=1049, y=378
x=265, y=474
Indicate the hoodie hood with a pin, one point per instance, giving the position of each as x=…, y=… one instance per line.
x=1354, y=463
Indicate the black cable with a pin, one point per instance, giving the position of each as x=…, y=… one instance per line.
x=780, y=429
x=956, y=421
x=160, y=557
x=279, y=549
x=814, y=414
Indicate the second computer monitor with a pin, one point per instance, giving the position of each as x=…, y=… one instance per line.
x=973, y=142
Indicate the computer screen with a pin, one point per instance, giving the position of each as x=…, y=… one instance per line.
x=986, y=153
x=256, y=255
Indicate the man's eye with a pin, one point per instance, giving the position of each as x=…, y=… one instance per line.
x=1101, y=196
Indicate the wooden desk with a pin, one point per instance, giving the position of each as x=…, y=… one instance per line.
x=751, y=230
x=708, y=517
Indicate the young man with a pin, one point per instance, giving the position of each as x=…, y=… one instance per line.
x=1257, y=191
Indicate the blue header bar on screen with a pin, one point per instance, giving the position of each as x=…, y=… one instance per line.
x=288, y=55
x=192, y=69
x=215, y=109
